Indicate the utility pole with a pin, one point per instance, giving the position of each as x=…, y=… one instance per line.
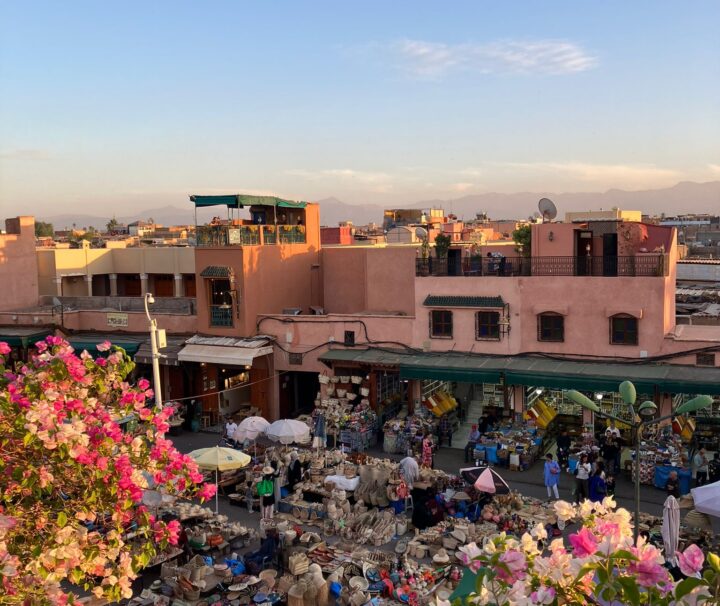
x=157, y=340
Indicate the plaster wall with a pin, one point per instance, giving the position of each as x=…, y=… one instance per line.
x=18, y=264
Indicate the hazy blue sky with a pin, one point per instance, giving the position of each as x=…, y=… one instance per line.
x=142, y=103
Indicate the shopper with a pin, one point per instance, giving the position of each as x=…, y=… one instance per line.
x=249, y=496
x=582, y=475
x=427, y=450
x=563, y=447
x=444, y=431
x=294, y=472
x=551, y=476
x=473, y=439
x=700, y=467
x=230, y=429
x=266, y=492
x=597, y=486
x=609, y=452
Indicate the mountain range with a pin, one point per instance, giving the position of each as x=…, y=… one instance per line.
x=685, y=197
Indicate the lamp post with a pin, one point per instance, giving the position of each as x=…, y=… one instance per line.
x=646, y=409
x=154, y=348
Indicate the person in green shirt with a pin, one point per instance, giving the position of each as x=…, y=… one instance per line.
x=266, y=492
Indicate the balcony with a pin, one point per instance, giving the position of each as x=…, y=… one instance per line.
x=644, y=265
x=249, y=235
x=221, y=315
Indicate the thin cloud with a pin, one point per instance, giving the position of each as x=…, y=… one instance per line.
x=434, y=60
x=345, y=174
x=24, y=154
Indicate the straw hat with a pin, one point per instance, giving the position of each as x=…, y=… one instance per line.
x=360, y=583
x=459, y=535
x=441, y=557
x=462, y=496
x=267, y=470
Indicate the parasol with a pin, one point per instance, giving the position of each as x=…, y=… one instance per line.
x=288, y=431
x=320, y=434
x=707, y=499
x=219, y=459
x=485, y=479
x=250, y=429
x=671, y=529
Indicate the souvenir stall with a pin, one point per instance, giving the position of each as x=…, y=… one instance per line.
x=661, y=453
x=403, y=434
x=515, y=447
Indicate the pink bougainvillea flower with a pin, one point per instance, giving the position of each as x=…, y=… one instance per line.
x=104, y=346
x=648, y=569
x=691, y=561
x=4, y=348
x=516, y=565
x=584, y=543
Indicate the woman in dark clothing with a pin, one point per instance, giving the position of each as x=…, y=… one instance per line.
x=254, y=561
x=294, y=471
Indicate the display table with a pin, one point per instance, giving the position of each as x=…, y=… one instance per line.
x=662, y=472
x=343, y=482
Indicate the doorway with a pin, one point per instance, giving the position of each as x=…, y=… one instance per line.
x=583, y=252
x=610, y=254
x=454, y=260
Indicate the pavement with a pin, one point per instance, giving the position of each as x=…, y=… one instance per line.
x=529, y=482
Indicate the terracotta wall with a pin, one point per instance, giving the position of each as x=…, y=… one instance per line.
x=368, y=279
x=18, y=264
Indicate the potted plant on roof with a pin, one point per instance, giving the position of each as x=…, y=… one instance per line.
x=424, y=257
x=442, y=245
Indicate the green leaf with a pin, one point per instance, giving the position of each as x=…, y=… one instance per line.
x=685, y=586
x=62, y=519
x=623, y=554
x=27, y=438
x=714, y=561
x=631, y=590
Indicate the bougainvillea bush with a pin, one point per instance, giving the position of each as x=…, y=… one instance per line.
x=72, y=477
x=600, y=564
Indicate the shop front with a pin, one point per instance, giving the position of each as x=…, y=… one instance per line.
x=21, y=340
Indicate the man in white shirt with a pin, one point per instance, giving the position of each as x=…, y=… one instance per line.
x=230, y=428
x=700, y=467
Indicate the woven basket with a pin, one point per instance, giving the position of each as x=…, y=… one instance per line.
x=323, y=379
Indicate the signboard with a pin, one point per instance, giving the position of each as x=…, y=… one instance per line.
x=234, y=236
x=116, y=320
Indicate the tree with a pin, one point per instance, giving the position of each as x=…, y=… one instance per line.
x=442, y=245
x=43, y=230
x=522, y=236
x=112, y=224
x=72, y=479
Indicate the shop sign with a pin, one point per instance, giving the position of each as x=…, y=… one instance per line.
x=116, y=320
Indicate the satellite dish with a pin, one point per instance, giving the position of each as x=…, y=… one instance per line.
x=547, y=209
x=57, y=302
x=421, y=233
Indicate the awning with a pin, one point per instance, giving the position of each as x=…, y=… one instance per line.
x=169, y=354
x=462, y=301
x=219, y=354
x=536, y=371
x=89, y=343
x=216, y=271
x=242, y=200
x=23, y=336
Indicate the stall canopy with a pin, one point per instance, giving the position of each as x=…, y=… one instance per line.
x=89, y=343
x=224, y=350
x=169, y=354
x=243, y=200
x=534, y=370
x=23, y=336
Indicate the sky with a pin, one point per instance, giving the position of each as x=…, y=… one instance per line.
x=133, y=105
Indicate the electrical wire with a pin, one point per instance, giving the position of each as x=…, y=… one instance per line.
x=214, y=393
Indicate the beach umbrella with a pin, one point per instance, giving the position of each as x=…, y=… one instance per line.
x=488, y=481
x=218, y=459
x=288, y=431
x=707, y=499
x=671, y=529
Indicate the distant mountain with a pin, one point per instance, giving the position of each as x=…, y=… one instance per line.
x=685, y=197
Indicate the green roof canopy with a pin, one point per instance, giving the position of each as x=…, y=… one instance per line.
x=89, y=343
x=216, y=271
x=19, y=336
x=462, y=301
x=536, y=371
x=242, y=200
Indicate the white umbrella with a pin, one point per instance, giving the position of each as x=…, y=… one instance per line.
x=288, y=431
x=219, y=459
x=707, y=499
x=671, y=529
x=250, y=429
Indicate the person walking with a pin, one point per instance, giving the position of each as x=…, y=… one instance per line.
x=473, y=439
x=597, y=486
x=427, y=450
x=582, y=475
x=700, y=467
x=551, y=475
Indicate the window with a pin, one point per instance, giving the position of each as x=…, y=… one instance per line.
x=295, y=358
x=705, y=359
x=551, y=327
x=441, y=324
x=487, y=325
x=623, y=330
x=220, y=302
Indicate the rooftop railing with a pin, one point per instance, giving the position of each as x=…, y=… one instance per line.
x=644, y=265
x=249, y=235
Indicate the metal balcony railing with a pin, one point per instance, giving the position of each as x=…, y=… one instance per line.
x=646, y=265
x=249, y=235
x=221, y=315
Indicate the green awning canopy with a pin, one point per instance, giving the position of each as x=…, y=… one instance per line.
x=89, y=343
x=242, y=200
x=18, y=336
x=535, y=371
x=462, y=301
x=216, y=271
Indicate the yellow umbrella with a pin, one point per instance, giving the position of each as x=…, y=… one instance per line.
x=219, y=459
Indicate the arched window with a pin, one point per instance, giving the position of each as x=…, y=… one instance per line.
x=551, y=327
x=623, y=330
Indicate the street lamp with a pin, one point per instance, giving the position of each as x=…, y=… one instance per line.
x=157, y=340
x=640, y=418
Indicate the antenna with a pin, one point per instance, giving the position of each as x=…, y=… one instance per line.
x=547, y=209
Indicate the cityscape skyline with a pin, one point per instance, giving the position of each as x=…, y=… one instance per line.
x=146, y=105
